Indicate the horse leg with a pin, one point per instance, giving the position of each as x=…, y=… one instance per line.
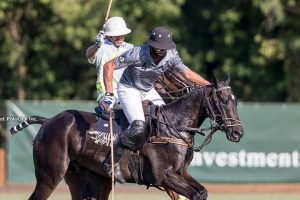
x=84, y=184
x=172, y=194
x=41, y=191
x=105, y=188
x=184, y=185
x=73, y=181
x=51, y=163
x=51, y=149
x=192, y=181
x=44, y=187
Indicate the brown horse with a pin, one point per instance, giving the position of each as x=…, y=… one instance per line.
x=63, y=144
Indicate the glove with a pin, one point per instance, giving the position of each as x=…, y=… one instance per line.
x=100, y=39
x=107, y=102
x=100, y=99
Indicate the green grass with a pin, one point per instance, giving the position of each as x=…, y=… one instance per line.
x=162, y=196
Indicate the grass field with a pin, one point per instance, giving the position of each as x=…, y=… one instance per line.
x=162, y=196
x=134, y=192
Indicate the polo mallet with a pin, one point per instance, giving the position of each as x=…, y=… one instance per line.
x=112, y=155
x=106, y=16
x=110, y=122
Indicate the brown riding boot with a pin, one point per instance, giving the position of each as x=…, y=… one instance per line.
x=133, y=134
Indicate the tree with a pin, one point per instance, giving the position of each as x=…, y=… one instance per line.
x=256, y=41
x=252, y=40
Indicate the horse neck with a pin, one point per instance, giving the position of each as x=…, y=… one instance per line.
x=188, y=111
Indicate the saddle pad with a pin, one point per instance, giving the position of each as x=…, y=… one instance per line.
x=101, y=133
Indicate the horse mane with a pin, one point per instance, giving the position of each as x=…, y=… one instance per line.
x=194, y=90
x=172, y=85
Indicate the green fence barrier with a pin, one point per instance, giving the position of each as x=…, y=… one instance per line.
x=268, y=152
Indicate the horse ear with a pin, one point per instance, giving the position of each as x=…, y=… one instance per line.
x=227, y=79
x=214, y=80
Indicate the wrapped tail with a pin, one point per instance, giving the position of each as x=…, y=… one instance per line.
x=28, y=121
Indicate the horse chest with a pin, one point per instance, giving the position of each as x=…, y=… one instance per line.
x=166, y=154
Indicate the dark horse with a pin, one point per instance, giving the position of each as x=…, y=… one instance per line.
x=63, y=143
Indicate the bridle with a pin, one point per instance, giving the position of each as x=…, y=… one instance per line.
x=218, y=121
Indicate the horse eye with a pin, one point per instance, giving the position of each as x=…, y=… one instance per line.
x=225, y=101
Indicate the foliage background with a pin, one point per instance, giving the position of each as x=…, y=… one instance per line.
x=43, y=43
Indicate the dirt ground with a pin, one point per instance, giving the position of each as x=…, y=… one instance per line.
x=216, y=188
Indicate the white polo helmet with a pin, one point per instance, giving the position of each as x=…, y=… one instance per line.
x=116, y=26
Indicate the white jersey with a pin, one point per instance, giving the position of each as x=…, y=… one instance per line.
x=106, y=52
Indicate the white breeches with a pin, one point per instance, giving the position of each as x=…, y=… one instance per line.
x=131, y=101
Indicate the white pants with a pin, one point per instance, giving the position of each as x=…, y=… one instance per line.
x=131, y=101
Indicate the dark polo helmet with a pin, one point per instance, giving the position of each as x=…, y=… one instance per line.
x=161, y=38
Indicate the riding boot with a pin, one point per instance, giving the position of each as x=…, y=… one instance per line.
x=132, y=135
x=118, y=153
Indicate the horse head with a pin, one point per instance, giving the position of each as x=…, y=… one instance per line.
x=222, y=109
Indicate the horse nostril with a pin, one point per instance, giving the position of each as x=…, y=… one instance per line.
x=219, y=120
x=236, y=134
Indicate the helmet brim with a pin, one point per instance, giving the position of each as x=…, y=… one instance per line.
x=164, y=46
x=118, y=33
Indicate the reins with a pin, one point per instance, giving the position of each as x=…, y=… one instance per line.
x=180, y=140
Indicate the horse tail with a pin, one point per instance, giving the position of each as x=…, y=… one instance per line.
x=28, y=121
